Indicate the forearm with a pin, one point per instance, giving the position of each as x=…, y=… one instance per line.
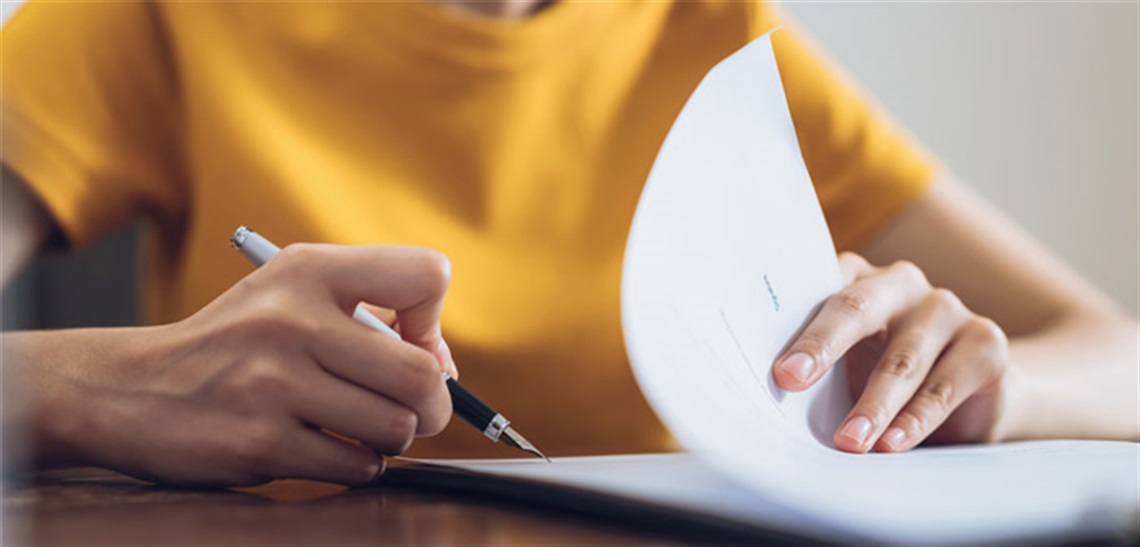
x=57, y=393
x=33, y=390
x=1078, y=378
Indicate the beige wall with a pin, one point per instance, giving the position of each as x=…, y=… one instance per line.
x=1034, y=104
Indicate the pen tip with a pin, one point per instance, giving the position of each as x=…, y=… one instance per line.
x=512, y=438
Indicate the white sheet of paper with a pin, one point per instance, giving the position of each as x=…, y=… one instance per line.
x=1051, y=507
x=728, y=256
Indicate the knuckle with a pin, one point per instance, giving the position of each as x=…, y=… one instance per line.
x=260, y=380
x=433, y=421
x=268, y=323
x=816, y=345
x=274, y=317
x=915, y=423
x=258, y=446
x=436, y=269
x=945, y=299
x=936, y=397
x=908, y=272
x=851, y=260
x=421, y=376
x=987, y=331
x=876, y=412
x=901, y=364
x=399, y=431
x=853, y=303
x=994, y=345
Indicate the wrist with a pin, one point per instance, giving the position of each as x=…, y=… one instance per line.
x=1043, y=404
x=1013, y=405
x=39, y=400
x=62, y=420
x=67, y=385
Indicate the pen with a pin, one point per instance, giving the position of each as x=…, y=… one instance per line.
x=494, y=426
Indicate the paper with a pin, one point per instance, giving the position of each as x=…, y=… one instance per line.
x=1048, y=506
x=728, y=256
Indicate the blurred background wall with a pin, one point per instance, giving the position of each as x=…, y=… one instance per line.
x=1035, y=104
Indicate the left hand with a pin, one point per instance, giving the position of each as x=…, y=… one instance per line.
x=921, y=364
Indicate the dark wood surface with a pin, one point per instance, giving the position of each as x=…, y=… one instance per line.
x=98, y=507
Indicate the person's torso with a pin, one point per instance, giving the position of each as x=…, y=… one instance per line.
x=517, y=149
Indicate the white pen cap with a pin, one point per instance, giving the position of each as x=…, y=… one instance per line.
x=252, y=246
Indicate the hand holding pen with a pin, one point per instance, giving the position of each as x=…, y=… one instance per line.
x=267, y=381
x=272, y=379
x=492, y=424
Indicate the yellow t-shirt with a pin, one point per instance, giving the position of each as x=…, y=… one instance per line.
x=516, y=148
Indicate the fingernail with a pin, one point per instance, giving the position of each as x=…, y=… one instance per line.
x=800, y=365
x=375, y=471
x=857, y=429
x=894, y=437
x=443, y=351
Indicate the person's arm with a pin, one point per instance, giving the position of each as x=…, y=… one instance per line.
x=970, y=331
x=1074, y=349
x=246, y=390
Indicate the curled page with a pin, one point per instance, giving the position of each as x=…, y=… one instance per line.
x=728, y=257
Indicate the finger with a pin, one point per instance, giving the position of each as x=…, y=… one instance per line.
x=403, y=373
x=410, y=280
x=387, y=316
x=442, y=351
x=443, y=354
x=309, y=454
x=854, y=313
x=380, y=423
x=860, y=360
x=852, y=267
x=918, y=341
x=974, y=359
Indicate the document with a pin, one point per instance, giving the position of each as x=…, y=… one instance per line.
x=728, y=256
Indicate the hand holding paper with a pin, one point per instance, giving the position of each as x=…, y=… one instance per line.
x=922, y=361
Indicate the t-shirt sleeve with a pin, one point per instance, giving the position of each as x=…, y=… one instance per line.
x=864, y=167
x=89, y=115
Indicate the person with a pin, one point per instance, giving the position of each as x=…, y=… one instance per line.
x=505, y=141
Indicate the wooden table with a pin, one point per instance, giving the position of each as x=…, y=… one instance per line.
x=98, y=507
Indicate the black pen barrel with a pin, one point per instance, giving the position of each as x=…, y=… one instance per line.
x=470, y=408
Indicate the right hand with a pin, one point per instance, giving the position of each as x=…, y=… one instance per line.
x=273, y=379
